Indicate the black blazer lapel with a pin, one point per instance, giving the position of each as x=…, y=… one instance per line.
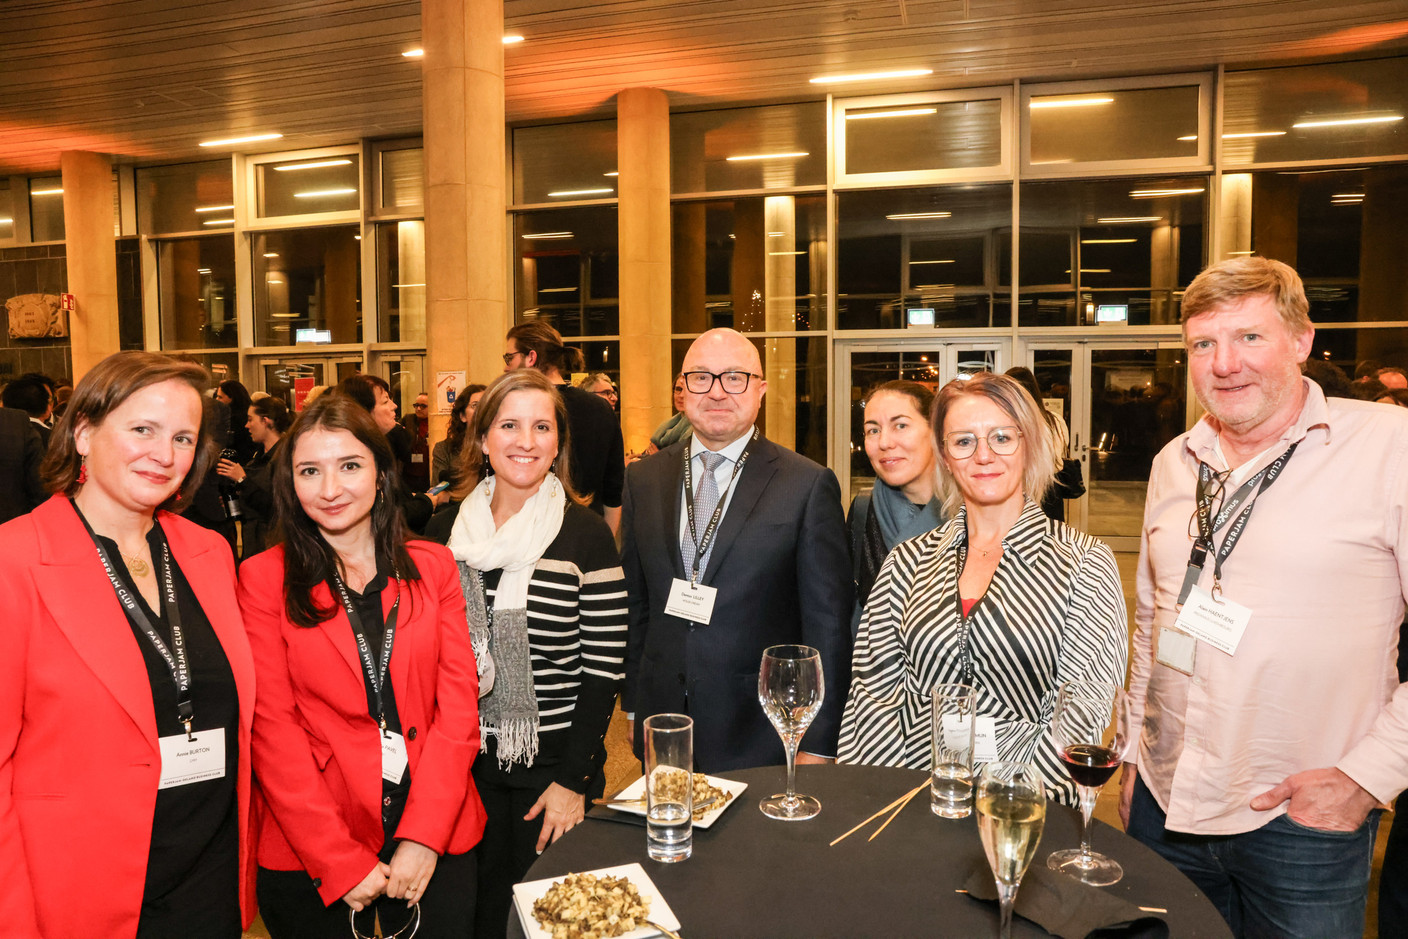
x=757, y=473
x=669, y=477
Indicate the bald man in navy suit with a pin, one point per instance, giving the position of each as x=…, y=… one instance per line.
x=777, y=559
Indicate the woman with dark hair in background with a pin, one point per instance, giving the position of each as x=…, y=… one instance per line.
x=126, y=682
x=445, y=454
x=364, y=662
x=902, y=504
x=374, y=395
x=236, y=396
x=547, y=616
x=599, y=454
x=268, y=420
x=1001, y=598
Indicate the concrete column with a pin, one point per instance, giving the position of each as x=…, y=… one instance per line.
x=91, y=255
x=643, y=160
x=780, y=306
x=466, y=251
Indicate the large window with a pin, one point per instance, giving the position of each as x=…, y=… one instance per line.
x=46, y=209
x=566, y=269
x=754, y=264
x=1109, y=252
x=307, y=286
x=1115, y=126
x=926, y=257
x=564, y=163
x=400, y=280
x=7, y=212
x=196, y=292
x=922, y=138
x=188, y=197
x=776, y=147
x=311, y=185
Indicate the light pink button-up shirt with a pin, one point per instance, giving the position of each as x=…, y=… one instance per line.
x=1323, y=565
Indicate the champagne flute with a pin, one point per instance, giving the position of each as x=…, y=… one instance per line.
x=1091, y=729
x=1011, y=805
x=791, y=689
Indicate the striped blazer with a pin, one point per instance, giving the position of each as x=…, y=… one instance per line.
x=1053, y=612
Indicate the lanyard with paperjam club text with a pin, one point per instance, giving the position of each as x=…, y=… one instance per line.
x=174, y=655
x=1208, y=525
x=701, y=545
x=376, y=677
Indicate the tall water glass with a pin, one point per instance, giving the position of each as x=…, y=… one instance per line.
x=1011, y=804
x=791, y=689
x=1091, y=729
x=951, y=751
x=669, y=787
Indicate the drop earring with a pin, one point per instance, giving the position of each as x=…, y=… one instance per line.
x=82, y=470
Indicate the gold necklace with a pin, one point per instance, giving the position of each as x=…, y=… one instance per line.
x=137, y=566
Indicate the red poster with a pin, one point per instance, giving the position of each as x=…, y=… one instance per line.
x=301, y=387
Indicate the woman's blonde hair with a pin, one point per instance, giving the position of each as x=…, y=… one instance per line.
x=471, y=465
x=1038, y=459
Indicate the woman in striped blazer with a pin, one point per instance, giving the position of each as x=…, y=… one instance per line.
x=1001, y=598
x=547, y=618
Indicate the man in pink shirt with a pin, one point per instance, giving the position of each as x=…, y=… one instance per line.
x=1272, y=574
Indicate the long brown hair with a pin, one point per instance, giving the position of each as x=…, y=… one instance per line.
x=308, y=558
x=101, y=391
x=471, y=464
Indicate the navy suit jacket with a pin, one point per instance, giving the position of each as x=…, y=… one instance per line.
x=783, y=574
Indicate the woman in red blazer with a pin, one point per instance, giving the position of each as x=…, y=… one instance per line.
x=367, y=721
x=126, y=682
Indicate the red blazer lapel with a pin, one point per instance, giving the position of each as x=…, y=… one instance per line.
x=338, y=629
x=80, y=598
x=403, y=652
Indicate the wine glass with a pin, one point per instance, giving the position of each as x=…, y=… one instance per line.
x=1091, y=728
x=791, y=689
x=1011, y=804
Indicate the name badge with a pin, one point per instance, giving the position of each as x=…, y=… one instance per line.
x=985, y=739
x=1176, y=650
x=958, y=732
x=1219, y=623
x=185, y=761
x=694, y=602
x=393, y=757
x=417, y=457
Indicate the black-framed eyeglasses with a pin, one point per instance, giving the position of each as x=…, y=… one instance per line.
x=420, y=404
x=606, y=393
x=701, y=383
x=961, y=444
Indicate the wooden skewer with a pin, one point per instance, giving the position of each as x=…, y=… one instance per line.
x=897, y=811
x=903, y=798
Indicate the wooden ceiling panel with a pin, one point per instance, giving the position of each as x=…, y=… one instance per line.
x=147, y=79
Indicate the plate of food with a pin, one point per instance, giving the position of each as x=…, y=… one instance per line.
x=723, y=792
x=610, y=903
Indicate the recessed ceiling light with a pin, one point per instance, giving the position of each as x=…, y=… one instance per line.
x=323, y=193
x=1156, y=193
x=202, y=270
x=271, y=254
x=781, y=254
x=1347, y=121
x=907, y=216
x=557, y=289
x=1254, y=133
x=1189, y=137
x=790, y=155
x=871, y=76
x=319, y=164
x=219, y=221
x=46, y=192
x=1108, y=241
x=1348, y=195
x=582, y=192
x=408, y=285
x=1092, y=270
x=547, y=235
x=512, y=38
x=1039, y=103
x=7, y=221
x=414, y=53
x=900, y=112
x=231, y=141
x=1129, y=220
x=944, y=261
x=611, y=174
x=215, y=208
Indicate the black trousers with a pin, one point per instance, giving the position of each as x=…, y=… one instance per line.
x=510, y=844
x=292, y=908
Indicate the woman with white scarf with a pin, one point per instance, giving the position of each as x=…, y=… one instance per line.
x=547, y=616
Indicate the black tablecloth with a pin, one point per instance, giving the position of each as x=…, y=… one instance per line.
x=752, y=876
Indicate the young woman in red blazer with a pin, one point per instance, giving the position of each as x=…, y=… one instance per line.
x=367, y=721
x=126, y=683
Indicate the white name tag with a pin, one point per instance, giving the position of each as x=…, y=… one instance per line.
x=393, y=757
x=417, y=457
x=985, y=740
x=185, y=761
x=1219, y=623
x=958, y=732
x=694, y=602
x=1176, y=650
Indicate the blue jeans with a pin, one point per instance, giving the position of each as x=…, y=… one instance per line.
x=1281, y=881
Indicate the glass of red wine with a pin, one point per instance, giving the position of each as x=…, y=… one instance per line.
x=1091, y=727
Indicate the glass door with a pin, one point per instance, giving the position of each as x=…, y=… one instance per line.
x=292, y=377
x=861, y=365
x=1122, y=401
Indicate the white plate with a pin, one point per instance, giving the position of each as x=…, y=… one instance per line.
x=636, y=790
x=525, y=895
